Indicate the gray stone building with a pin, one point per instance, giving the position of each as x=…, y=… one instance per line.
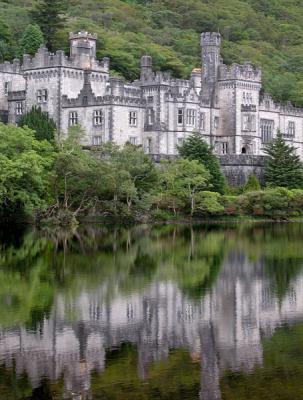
x=223, y=103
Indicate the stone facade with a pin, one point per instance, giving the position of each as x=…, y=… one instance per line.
x=157, y=111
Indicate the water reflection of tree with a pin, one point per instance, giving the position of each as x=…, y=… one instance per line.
x=26, y=285
x=177, y=377
x=281, y=375
x=13, y=387
x=122, y=261
x=279, y=248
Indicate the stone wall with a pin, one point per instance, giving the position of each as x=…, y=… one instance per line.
x=238, y=168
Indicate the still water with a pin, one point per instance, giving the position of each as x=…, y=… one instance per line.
x=173, y=312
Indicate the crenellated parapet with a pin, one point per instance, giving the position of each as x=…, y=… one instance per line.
x=245, y=72
x=211, y=39
x=117, y=93
x=11, y=68
x=157, y=78
x=44, y=59
x=268, y=104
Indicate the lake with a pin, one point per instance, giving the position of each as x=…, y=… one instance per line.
x=163, y=312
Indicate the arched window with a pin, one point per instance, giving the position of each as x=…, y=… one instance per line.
x=243, y=150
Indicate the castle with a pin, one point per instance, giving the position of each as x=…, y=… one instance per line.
x=223, y=103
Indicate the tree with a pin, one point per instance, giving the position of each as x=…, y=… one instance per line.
x=252, y=184
x=184, y=179
x=283, y=167
x=195, y=148
x=77, y=179
x=25, y=165
x=31, y=40
x=43, y=126
x=140, y=167
x=49, y=16
x=6, y=42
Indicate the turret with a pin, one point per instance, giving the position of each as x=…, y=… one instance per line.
x=211, y=59
x=146, y=67
x=83, y=43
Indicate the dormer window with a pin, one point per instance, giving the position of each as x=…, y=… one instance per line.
x=42, y=96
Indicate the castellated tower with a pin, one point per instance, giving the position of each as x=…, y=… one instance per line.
x=146, y=67
x=211, y=59
x=83, y=43
x=238, y=93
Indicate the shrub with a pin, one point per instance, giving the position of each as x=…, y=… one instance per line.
x=209, y=203
x=274, y=203
x=231, y=206
x=252, y=184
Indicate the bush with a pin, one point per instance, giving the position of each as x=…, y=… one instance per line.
x=231, y=206
x=252, y=184
x=209, y=203
x=296, y=201
x=273, y=203
x=162, y=215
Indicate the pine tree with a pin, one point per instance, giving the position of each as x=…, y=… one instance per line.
x=252, y=184
x=283, y=167
x=39, y=122
x=49, y=15
x=195, y=148
x=31, y=40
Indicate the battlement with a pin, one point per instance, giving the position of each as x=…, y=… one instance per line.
x=83, y=35
x=157, y=78
x=268, y=104
x=246, y=72
x=83, y=44
x=211, y=39
x=44, y=59
x=11, y=68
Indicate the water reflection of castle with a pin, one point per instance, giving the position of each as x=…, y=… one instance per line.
x=223, y=329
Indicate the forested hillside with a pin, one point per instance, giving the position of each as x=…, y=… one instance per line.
x=267, y=32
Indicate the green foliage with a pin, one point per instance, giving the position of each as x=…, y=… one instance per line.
x=252, y=184
x=6, y=42
x=209, y=203
x=43, y=126
x=31, y=40
x=48, y=15
x=283, y=167
x=274, y=203
x=182, y=180
x=195, y=148
x=118, y=183
x=25, y=164
x=279, y=374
